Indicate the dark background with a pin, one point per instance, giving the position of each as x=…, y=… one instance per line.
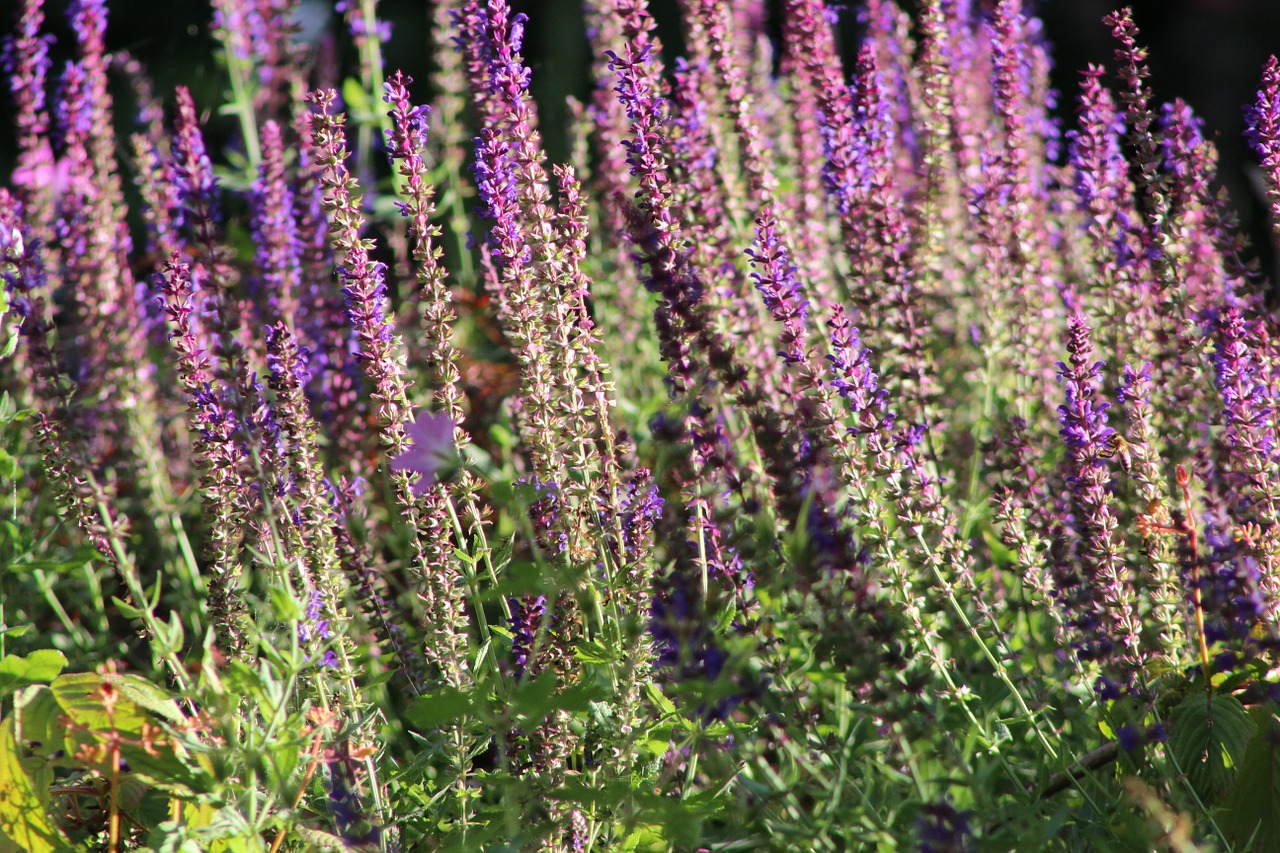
x=1209, y=52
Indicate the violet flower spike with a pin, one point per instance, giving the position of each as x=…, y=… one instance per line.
x=432, y=449
x=1262, y=129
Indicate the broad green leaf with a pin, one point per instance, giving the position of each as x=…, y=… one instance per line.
x=39, y=667
x=23, y=819
x=38, y=723
x=1209, y=735
x=83, y=695
x=439, y=707
x=1251, y=810
x=144, y=693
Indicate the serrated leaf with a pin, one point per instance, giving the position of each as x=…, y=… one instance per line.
x=591, y=651
x=1251, y=809
x=83, y=696
x=320, y=840
x=39, y=667
x=147, y=695
x=1209, y=736
x=23, y=819
x=661, y=702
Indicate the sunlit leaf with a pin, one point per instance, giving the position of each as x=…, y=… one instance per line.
x=1209, y=735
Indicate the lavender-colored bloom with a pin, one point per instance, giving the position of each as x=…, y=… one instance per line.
x=275, y=231
x=639, y=75
x=1244, y=396
x=408, y=137
x=527, y=615
x=431, y=449
x=362, y=28
x=1087, y=437
x=854, y=377
x=641, y=511
x=89, y=21
x=1084, y=422
x=1248, y=442
x=219, y=455
x=364, y=287
x=232, y=23
x=25, y=61
x=191, y=171
x=1100, y=170
x=777, y=281
x=314, y=626
x=1262, y=127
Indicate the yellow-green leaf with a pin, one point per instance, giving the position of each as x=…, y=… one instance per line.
x=23, y=820
x=39, y=667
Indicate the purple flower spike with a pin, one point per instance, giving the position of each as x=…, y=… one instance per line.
x=1108, y=616
x=432, y=449
x=1262, y=122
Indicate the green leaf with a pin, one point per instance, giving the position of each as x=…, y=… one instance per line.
x=1002, y=554
x=42, y=726
x=356, y=99
x=147, y=695
x=1209, y=735
x=8, y=465
x=660, y=701
x=128, y=610
x=439, y=707
x=83, y=697
x=283, y=605
x=533, y=700
x=23, y=819
x=320, y=840
x=1251, y=810
x=39, y=667
x=592, y=651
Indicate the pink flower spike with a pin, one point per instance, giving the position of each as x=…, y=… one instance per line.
x=432, y=449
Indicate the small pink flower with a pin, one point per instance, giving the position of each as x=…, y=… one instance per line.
x=432, y=449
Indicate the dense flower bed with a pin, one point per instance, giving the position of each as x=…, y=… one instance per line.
x=817, y=461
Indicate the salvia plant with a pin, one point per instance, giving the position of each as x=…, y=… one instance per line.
x=826, y=457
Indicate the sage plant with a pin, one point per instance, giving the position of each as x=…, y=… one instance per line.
x=851, y=446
